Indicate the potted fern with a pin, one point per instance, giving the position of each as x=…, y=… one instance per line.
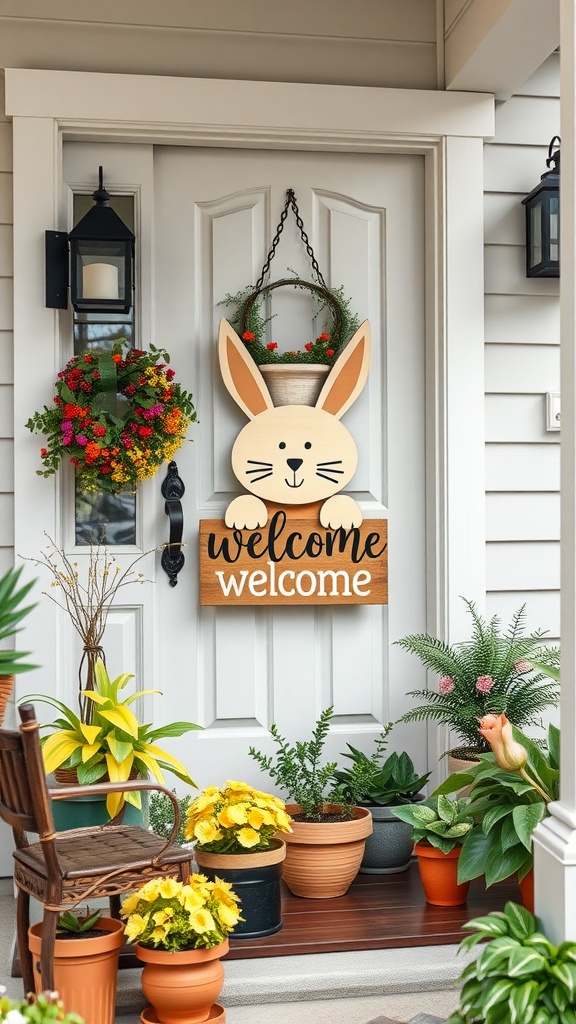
x=492, y=673
x=382, y=783
x=326, y=845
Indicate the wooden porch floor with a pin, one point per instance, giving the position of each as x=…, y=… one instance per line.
x=377, y=912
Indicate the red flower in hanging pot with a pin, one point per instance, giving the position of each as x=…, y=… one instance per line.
x=323, y=337
x=308, y=346
x=272, y=345
x=248, y=336
x=329, y=351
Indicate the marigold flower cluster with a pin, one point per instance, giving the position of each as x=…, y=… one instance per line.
x=171, y=915
x=235, y=819
x=116, y=417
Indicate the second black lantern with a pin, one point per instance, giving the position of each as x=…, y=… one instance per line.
x=543, y=220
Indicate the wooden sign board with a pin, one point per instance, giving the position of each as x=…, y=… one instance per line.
x=293, y=561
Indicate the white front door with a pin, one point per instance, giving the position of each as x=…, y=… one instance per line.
x=204, y=221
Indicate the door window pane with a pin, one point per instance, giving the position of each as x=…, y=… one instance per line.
x=101, y=517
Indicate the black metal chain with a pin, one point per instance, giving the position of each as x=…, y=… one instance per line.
x=290, y=203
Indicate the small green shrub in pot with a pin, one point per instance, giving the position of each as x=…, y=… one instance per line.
x=381, y=783
x=520, y=977
x=439, y=828
x=161, y=815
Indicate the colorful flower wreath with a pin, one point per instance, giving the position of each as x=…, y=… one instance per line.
x=116, y=417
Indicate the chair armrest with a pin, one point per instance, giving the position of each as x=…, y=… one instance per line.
x=131, y=785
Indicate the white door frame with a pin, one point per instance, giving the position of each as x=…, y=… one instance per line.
x=448, y=129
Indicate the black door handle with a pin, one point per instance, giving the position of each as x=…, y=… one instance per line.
x=173, y=488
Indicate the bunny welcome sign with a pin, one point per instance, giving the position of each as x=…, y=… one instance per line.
x=293, y=538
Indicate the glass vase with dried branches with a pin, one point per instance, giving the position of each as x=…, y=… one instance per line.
x=87, y=598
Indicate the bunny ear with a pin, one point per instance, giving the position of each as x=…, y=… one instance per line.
x=240, y=373
x=348, y=375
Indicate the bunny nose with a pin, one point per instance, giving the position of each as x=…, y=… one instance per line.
x=294, y=464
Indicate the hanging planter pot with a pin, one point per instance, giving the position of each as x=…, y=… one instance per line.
x=294, y=383
x=255, y=878
x=6, y=688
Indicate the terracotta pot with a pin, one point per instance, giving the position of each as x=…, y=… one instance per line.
x=294, y=383
x=6, y=688
x=457, y=763
x=527, y=890
x=255, y=878
x=85, y=970
x=323, y=858
x=182, y=987
x=439, y=874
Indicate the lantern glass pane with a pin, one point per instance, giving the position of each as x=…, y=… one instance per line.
x=536, y=234
x=100, y=269
x=554, y=228
x=101, y=517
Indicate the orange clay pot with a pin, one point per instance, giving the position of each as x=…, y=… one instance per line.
x=439, y=873
x=323, y=858
x=85, y=970
x=182, y=987
x=527, y=890
x=6, y=688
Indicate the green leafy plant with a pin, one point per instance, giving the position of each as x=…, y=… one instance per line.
x=161, y=815
x=78, y=924
x=520, y=977
x=12, y=595
x=114, y=743
x=439, y=821
x=376, y=780
x=507, y=804
x=298, y=771
x=47, y=1006
x=490, y=673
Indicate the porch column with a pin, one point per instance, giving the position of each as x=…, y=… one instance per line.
x=555, y=838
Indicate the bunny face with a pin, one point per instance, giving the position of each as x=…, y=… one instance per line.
x=294, y=455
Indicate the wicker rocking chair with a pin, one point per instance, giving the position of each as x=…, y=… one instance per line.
x=65, y=868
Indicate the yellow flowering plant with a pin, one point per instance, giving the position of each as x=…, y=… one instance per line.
x=235, y=819
x=174, y=916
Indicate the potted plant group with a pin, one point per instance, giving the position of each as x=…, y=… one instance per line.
x=326, y=844
x=510, y=789
x=45, y=1008
x=12, y=596
x=490, y=673
x=439, y=828
x=181, y=931
x=86, y=953
x=382, y=783
x=235, y=830
x=114, y=744
x=519, y=977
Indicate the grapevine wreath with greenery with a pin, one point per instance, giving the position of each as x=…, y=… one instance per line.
x=117, y=416
x=250, y=322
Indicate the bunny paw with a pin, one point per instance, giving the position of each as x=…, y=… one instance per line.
x=246, y=513
x=340, y=511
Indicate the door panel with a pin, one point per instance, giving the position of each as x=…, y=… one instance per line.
x=206, y=221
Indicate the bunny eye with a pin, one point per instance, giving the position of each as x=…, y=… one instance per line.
x=308, y=444
x=282, y=444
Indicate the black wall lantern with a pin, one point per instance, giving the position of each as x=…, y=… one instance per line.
x=543, y=220
x=101, y=261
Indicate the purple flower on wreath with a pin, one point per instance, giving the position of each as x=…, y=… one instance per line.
x=66, y=426
x=446, y=685
x=522, y=666
x=81, y=439
x=484, y=684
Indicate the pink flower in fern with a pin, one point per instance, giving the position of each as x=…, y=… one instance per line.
x=522, y=666
x=484, y=684
x=446, y=685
